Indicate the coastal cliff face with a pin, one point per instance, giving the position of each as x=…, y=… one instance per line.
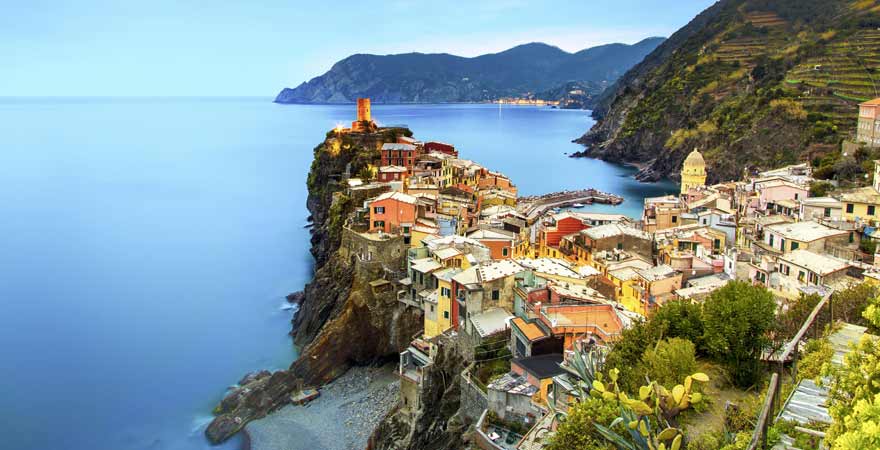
x=438, y=425
x=342, y=320
x=751, y=83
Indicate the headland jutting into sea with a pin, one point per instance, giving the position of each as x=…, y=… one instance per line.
x=362, y=307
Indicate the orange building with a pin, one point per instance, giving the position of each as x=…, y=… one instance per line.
x=500, y=242
x=393, y=212
x=490, y=179
x=566, y=223
x=557, y=315
x=391, y=173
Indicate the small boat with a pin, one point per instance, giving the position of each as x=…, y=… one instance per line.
x=578, y=205
x=304, y=396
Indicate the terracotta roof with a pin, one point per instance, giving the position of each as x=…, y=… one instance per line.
x=531, y=331
x=875, y=102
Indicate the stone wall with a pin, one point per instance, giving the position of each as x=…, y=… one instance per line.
x=359, y=249
x=473, y=400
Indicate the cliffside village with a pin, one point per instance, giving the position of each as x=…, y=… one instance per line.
x=523, y=282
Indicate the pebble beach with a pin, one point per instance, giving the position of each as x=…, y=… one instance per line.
x=342, y=418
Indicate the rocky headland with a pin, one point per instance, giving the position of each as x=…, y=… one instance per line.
x=341, y=321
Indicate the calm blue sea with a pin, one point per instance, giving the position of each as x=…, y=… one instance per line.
x=146, y=246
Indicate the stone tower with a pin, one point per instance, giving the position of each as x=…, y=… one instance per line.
x=364, y=122
x=693, y=172
x=364, y=110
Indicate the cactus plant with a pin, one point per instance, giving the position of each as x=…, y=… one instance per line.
x=653, y=410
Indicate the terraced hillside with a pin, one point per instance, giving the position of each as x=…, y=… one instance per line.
x=752, y=83
x=848, y=73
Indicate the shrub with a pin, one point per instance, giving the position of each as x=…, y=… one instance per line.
x=820, y=188
x=670, y=361
x=816, y=353
x=680, y=318
x=736, y=319
x=577, y=430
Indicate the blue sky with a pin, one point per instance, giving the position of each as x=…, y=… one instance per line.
x=189, y=47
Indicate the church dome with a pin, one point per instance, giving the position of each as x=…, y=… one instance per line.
x=695, y=158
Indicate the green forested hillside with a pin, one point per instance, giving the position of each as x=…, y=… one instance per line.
x=752, y=83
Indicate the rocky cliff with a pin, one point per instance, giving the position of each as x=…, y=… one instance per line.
x=752, y=83
x=342, y=320
x=438, y=425
x=442, y=78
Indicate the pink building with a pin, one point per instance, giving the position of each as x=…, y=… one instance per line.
x=775, y=190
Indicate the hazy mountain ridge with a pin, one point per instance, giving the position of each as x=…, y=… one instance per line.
x=439, y=78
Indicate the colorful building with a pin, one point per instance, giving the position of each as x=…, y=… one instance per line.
x=438, y=314
x=868, y=131
x=693, y=172
x=393, y=212
x=500, y=242
x=403, y=155
x=388, y=174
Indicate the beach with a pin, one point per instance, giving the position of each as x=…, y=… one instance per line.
x=342, y=418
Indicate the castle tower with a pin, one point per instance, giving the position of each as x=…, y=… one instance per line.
x=693, y=172
x=364, y=110
x=364, y=122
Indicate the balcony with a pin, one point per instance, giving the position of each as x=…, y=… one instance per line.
x=404, y=297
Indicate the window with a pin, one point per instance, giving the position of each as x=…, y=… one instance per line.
x=771, y=240
x=405, y=230
x=717, y=243
x=849, y=208
x=432, y=308
x=446, y=292
x=505, y=251
x=379, y=224
x=496, y=294
x=870, y=210
x=827, y=212
x=620, y=245
x=801, y=275
x=445, y=314
x=795, y=245
x=674, y=219
x=379, y=210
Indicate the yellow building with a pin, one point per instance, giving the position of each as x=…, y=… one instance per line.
x=693, y=172
x=438, y=312
x=863, y=204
